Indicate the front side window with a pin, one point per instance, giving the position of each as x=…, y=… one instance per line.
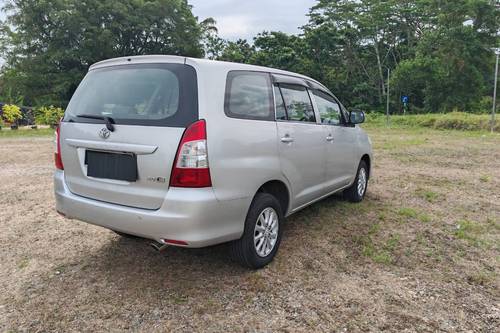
x=249, y=96
x=297, y=102
x=328, y=108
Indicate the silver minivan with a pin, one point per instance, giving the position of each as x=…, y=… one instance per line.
x=192, y=152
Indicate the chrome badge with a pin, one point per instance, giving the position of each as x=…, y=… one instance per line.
x=157, y=179
x=105, y=133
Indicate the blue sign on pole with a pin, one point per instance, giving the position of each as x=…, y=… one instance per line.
x=405, y=99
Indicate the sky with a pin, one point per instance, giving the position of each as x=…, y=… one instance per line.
x=246, y=18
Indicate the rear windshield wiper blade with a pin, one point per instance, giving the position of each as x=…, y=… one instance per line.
x=109, y=121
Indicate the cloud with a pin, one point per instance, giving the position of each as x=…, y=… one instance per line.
x=245, y=19
x=233, y=27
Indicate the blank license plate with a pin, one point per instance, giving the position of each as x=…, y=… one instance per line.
x=111, y=165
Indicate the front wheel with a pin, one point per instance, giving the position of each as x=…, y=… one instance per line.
x=357, y=191
x=262, y=235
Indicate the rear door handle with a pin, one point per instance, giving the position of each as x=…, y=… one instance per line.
x=286, y=139
x=330, y=138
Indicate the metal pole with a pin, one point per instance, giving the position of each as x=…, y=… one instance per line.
x=388, y=91
x=495, y=94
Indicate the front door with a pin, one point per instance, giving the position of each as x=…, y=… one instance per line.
x=340, y=164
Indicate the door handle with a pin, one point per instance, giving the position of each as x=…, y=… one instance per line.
x=330, y=138
x=286, y=139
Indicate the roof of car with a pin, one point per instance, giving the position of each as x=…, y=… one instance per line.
x=200, y=62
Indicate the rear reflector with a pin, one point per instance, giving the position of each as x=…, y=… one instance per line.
x=191, y=162
x=174, y=242
x=57, y=156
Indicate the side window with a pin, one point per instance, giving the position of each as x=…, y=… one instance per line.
x=328, y=108
x=280, y=104
x=249, y=96
x=298, y=104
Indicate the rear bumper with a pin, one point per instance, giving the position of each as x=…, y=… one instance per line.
x=191, y=215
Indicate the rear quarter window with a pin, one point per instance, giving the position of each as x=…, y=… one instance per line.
x=249, y=96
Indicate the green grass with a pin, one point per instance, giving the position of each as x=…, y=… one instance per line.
x=485, y=178
x=408, y=212
x=411, y=213
x=482, y=278
x=476, y=233
x=381, y=254
x=23, y=263
x=448, y=121
x=26, y=132
x=427, y=195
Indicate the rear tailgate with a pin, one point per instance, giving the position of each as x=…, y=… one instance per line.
x=155, y=154
x=129, y=162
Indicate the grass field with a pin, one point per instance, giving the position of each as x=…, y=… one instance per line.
x=448, y=121
x=26, y=132
x=420, y=254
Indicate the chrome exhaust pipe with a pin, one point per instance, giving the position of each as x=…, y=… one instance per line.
x=160, y=247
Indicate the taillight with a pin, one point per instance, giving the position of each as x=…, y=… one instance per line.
x=57, y=155
x=191, y=163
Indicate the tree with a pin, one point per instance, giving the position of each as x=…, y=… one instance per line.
x=239, y=51
x=453, y=59
x=438, y=50
x=279, y=50
x=49, y=45
x=437, y=58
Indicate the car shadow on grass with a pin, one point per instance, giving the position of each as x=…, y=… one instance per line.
x=132, y=267
x=135, y=258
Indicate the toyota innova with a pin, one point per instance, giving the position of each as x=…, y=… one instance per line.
x=192, y=152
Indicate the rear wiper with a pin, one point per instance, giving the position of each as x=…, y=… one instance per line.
x=109, y=121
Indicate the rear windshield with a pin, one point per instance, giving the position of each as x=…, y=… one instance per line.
x=149, y=95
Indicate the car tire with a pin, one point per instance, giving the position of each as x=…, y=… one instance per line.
x=262, y=234
x=358, y=189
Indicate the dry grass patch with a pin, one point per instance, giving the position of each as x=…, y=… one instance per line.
x=419, y=254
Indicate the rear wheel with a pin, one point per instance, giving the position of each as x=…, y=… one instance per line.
x=357, y=191
x=262, y=235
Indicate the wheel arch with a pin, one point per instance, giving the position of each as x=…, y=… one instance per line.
x=366, y=158
x=279, y=190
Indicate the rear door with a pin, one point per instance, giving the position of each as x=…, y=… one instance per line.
x=150, y=106
x=301, y=143
x=339, y=142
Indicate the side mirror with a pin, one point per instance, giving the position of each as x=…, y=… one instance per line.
x=356, y=117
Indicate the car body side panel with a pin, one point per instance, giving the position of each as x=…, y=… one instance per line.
x=303, y=160
x=242, y=154
x=363, y=146
x=340, y=156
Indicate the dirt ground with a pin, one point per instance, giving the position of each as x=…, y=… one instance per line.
x=420, y=254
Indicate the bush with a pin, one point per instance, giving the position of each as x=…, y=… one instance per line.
x=11, y=113
x=453, y=120
x=48, y=115
x=485, y=105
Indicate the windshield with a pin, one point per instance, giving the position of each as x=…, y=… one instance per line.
x=137, y=95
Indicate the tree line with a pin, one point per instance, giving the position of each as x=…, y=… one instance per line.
x=439, y=52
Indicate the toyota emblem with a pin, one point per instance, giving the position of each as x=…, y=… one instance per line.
x=105, y=133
